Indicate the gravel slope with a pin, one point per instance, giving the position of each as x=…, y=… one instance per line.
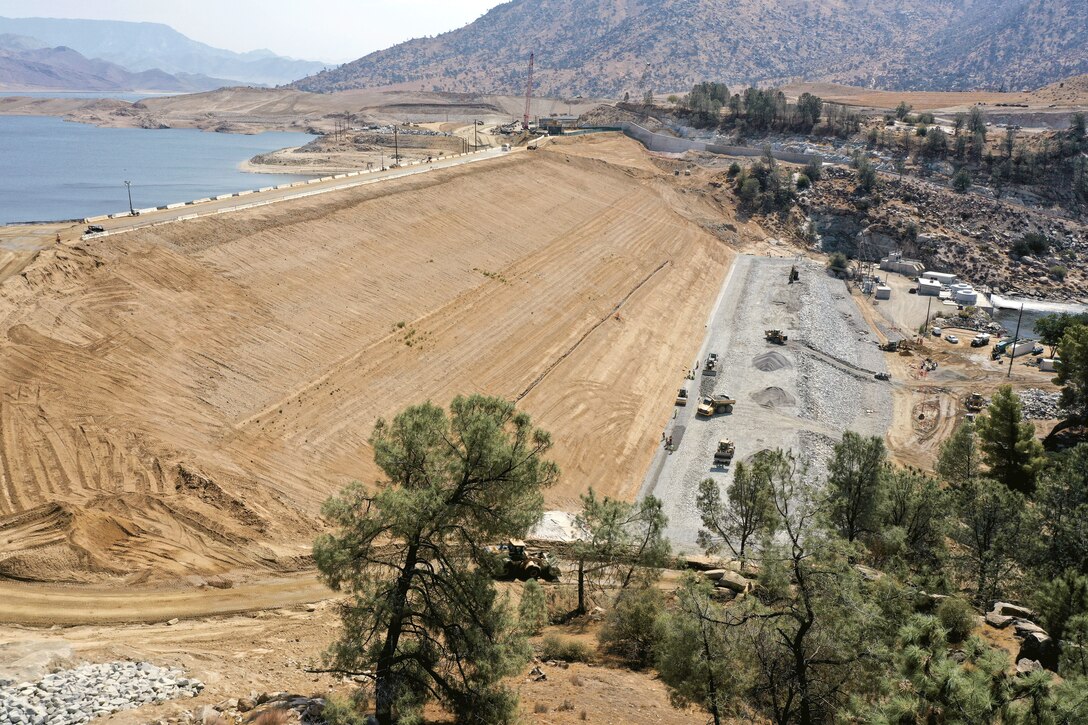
x=801, y=396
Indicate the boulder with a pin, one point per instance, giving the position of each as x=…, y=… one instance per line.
x=1024, y=628
x=1040, y=647
x=998, y=621
x=1013, y=610
x=714, y=574
x=1025, y=666
x=733, y=581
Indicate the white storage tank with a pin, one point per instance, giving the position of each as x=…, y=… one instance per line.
x=883, y=292
x=966, y=297
x=941, y=277
x=1046, y=364
x=929, y=287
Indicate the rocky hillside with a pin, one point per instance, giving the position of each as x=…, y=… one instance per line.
x=614, y=47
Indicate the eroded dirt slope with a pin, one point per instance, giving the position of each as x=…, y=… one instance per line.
x=181, y=399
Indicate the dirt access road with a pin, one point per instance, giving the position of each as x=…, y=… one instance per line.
x=179, y=400
x=798, y=397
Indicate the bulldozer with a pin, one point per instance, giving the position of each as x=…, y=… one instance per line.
x=725, y=452
x=682, y=397
x=776, y=337
x=516, y=561
x=974, y=402
x=714, y=404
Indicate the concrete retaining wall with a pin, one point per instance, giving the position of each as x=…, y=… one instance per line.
x=674, y=145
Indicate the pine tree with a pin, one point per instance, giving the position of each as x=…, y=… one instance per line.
x=855, y=480
x=533, y=608
x=959, y=458
x=1009, y=446
x=1073, y=371
x=749, y=512
x=422, y=616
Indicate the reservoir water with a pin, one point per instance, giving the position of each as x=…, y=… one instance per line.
x=53, y=169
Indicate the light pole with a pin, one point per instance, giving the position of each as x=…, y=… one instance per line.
x=128, y=187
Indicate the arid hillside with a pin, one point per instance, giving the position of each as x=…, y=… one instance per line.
x=615, y=47
x=181, y=399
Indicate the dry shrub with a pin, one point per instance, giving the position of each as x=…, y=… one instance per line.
x=577, y=680
x=540, y=708
x=554, y=647
x=567, y=706
x=273, y=716
x=583, y=715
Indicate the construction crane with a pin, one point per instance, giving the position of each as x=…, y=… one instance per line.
x=528, y=95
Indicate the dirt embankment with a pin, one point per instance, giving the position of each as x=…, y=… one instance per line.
x=180, y=400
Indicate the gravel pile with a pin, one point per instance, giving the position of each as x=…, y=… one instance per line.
x=1040, y=404
x=774, y=397
x=770, y=362
x=90, y=691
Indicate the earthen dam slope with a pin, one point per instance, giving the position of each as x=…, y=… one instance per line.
x=180, y=400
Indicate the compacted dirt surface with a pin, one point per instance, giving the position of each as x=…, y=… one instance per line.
x=177, y=401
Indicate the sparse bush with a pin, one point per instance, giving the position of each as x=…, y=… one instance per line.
x=566, y=706
x=961, y=181
x=902, y=110
x=540, y=708
x=342, y=710
x=555, y=647
x=734, y=169
x=837, y=262
x=749, y=190
x=867, y=178
x=632, y=628
x=533, y=608
x=803, y=182
x=958, y=617
x=1058, y=272
x=814, y=169
x=1031, y=243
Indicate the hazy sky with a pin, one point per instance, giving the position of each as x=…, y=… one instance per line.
x=330, y=30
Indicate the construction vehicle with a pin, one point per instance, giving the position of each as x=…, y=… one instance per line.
x=715, y=404
x=711, y=363
x=682, y=397
x=980, y=340
x=882, y=376
x=725, y=452
x=516, y=561
x=794, y=275
x=94, y=229
x=890, y=346
x=776, y=337
x=974, y=402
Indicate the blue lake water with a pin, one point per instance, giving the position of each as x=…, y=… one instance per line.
x=53, y=169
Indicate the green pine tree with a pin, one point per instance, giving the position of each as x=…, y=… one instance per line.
x=1009, y=446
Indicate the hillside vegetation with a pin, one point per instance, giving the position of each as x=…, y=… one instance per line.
x=629, y=46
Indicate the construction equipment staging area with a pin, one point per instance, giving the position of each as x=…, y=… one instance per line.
x=799, y=396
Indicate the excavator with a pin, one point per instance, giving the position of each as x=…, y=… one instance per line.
x=776, y=337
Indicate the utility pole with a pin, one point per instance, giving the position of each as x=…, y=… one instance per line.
x=925, y=327
x=1015, y=339
x=128, y=187
x=396, y=147
x=475, y=134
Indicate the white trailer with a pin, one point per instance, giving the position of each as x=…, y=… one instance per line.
x=1023, y=347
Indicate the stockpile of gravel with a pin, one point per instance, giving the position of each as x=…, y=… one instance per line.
x=1040, y=404
x=774, y=397
x=90, y=691
x=770, y=362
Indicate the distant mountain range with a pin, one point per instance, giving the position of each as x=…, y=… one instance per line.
x=147, y=47
x=612, y=47
x=26, y=67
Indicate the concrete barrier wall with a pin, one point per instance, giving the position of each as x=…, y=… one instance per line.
x=673, y=145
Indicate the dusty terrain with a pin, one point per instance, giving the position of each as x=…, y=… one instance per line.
x=179, y=400
x=252, y=110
